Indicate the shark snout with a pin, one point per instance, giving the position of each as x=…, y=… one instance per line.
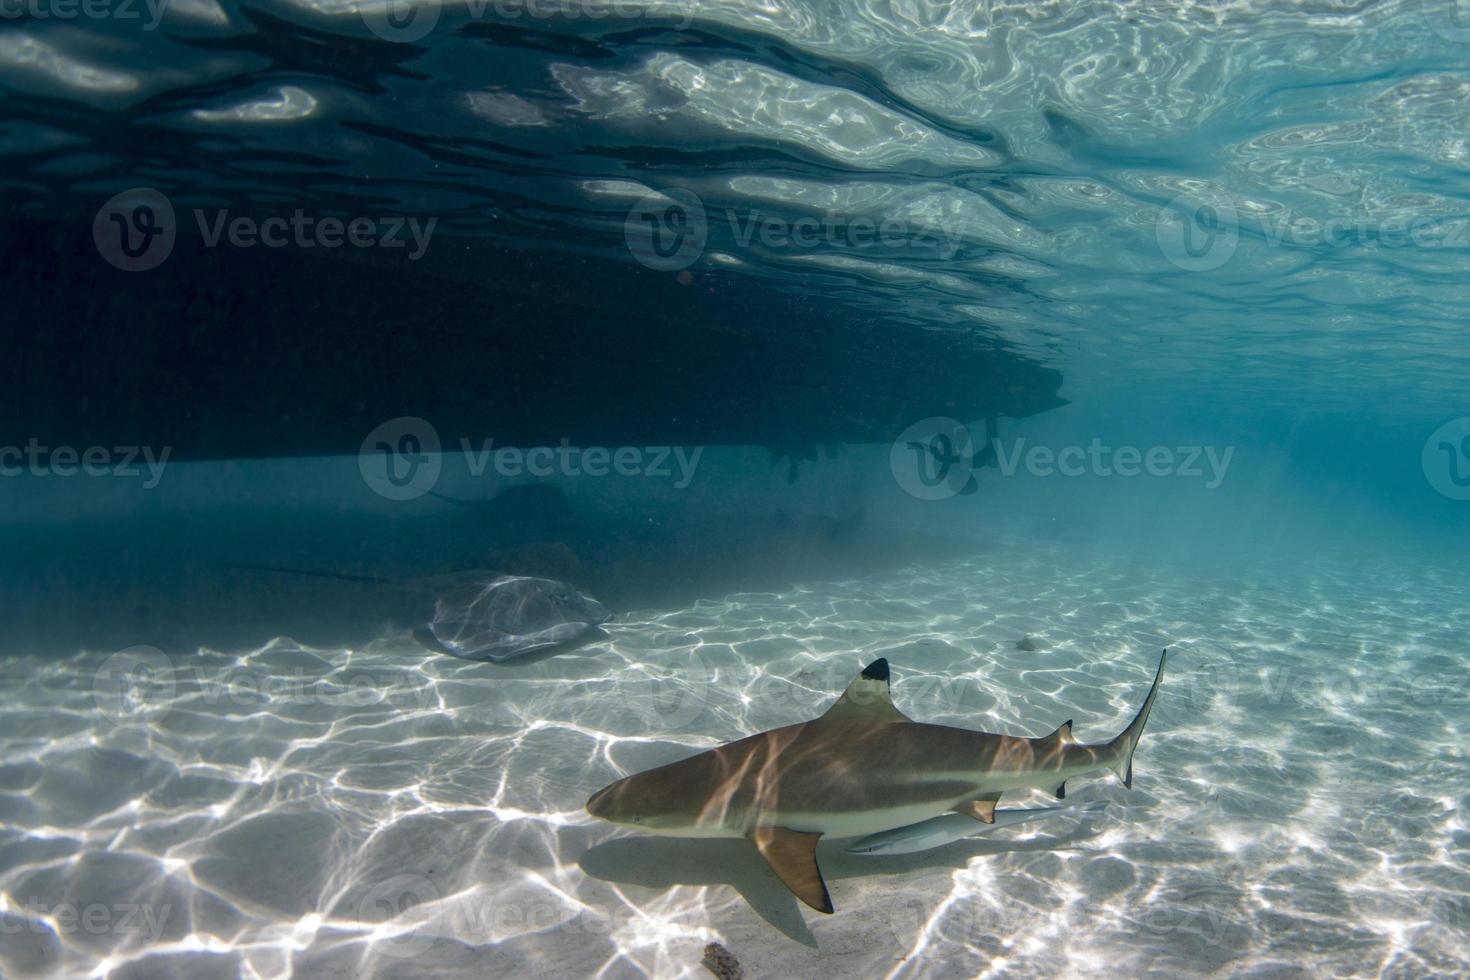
x=599, y=803
x=620, y=803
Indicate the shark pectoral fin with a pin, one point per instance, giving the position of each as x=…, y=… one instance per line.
x=982, y=808
x=793, y=856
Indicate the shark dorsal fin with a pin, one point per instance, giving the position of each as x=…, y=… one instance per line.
x=1063, y=734
x=793, y=856
x=867, y=698
x=982, y=808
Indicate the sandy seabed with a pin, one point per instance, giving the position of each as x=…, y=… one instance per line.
x=1299, y=802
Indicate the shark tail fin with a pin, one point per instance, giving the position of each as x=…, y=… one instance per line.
x=1127, y=741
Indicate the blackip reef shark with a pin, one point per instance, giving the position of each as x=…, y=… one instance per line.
x=861, y=768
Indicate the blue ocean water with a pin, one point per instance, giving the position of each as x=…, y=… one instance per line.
x=1011, y=343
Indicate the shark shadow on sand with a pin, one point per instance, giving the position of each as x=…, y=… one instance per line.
x=658, y=865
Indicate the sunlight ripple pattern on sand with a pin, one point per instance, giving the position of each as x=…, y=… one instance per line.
x=385, y=811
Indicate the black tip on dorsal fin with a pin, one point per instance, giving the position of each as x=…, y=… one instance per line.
x=1063, y=734
x=868, y=698
x=1062, y=791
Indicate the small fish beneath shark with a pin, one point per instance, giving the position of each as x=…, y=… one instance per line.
x=862, y=768
x=950, y=827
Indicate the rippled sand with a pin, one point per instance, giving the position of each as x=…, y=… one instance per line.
x=1298, y=804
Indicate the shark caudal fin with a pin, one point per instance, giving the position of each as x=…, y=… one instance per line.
x=1128, y=740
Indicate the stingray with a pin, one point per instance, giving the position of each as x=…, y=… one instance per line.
x=507, y=616
x=488, y=615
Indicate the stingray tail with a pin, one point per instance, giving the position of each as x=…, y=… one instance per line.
x=310, y=573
